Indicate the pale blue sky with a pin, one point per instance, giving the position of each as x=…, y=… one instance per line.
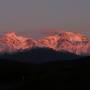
x=31, y=15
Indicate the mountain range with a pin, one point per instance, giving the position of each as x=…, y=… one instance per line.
x=76, y=43
x=55, y=62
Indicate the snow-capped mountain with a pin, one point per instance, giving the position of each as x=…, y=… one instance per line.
x=11, y=42
x=73, y=42
x=65, y=41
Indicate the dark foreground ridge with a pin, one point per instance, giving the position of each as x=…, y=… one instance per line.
x=59, y=74
x=39, y=55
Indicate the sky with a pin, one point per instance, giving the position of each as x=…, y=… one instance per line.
x=34, y=16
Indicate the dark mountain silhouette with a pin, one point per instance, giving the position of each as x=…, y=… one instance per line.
x=39, y=55
x=60, y=71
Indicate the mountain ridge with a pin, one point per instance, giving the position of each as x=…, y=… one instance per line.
x=76, y=43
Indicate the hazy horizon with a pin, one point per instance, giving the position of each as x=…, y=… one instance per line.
x=33, y=16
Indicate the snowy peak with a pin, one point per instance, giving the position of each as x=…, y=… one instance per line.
x=14, y=42
x=73, y=42
x=73, y=37
x=49, y=41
